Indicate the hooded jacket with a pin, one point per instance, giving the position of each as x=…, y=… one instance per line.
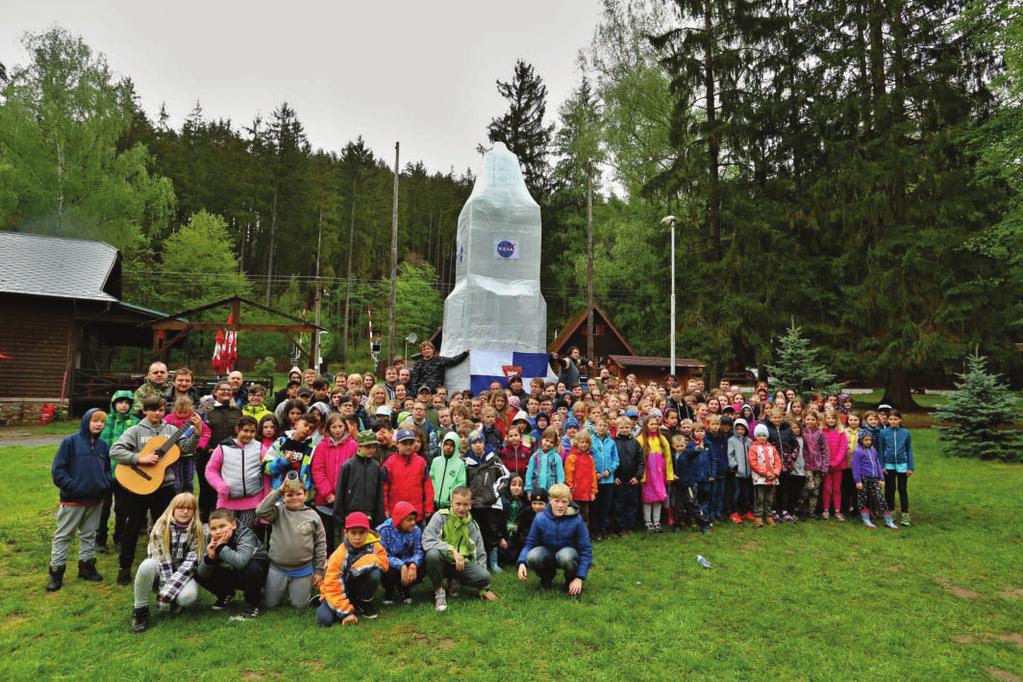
x=895, y=449
x=446, y=473
x=81, y=467
x=556, y=533
x=277, y=464
x=406, y=479
x=402, y=548
x=485, y=478
x=235, y=471
x=815, y=453
x=866, y=463
x=328, y=458
x=581, y=475
x=738, y=455
x=516, y=460
x=717, y=444
x=348, y=563
x=605, y=458
x=694, y=465
x=118, y=423
x=360, y=487
x=838, y=447
x=134, y=439
x=631, y=463
x=544, y=470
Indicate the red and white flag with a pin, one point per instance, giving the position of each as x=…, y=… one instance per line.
x=225, y=350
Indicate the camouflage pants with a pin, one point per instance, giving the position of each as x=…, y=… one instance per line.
x=811, y=490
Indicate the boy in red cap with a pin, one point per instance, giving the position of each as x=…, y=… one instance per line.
x=403, y=540
x=353, y=575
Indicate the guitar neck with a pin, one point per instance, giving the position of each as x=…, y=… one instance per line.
x=177, y=436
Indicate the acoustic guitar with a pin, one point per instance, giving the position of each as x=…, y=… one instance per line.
x=143, y=479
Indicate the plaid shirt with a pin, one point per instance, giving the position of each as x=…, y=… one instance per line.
x=178, y=568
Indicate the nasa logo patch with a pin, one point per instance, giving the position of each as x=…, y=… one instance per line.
x=506, y=249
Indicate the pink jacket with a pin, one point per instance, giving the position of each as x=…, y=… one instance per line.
x=328, y=457
x=204, y=437
x=838, y=447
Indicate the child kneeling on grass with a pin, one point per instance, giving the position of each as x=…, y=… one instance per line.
x=454, y=550
x=234, y=560
x=81, y=469
x=174, y=547
x=558, y=540
x=403, y=540
x=298, y=544
x=353, y=574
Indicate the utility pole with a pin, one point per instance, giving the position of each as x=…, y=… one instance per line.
x=348, y=274
x=392, y=322
x=316, y=301
x=589, y=261
x=670, y=220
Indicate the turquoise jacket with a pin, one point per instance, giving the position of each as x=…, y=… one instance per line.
x=895, y=450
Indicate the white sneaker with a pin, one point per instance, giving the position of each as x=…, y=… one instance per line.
x=440, y=600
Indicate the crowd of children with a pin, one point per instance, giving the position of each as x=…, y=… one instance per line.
x=388, y=484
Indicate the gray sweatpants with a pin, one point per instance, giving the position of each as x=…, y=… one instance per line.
x=145, y=580
x=84, y=519
x=278, y=582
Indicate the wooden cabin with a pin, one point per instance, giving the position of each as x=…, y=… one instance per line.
x=650, y=368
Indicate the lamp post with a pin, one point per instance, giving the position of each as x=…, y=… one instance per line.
x=666, y=220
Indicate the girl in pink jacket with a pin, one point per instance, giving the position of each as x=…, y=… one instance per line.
x=838, y=449
x=334, y=449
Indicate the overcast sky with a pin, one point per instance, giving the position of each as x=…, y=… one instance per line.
x=419, y=72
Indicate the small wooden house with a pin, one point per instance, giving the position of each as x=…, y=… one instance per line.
x=650, y=368
x=607, y=340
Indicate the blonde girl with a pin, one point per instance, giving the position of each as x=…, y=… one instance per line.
x=658, y=474
x=852, y=434
x=174, y=549
x=377, y=398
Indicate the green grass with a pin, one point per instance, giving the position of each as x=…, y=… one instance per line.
x=816, y=601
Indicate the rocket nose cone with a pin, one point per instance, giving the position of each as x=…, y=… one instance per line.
x=499, y=147
x=500, y=169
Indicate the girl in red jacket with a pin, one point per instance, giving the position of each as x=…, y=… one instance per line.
x=333, y=450
x=581, y=474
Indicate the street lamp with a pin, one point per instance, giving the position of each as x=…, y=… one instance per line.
x=666, y=220
x=411, y=338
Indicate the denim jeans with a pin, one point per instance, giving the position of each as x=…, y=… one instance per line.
x=547, y=563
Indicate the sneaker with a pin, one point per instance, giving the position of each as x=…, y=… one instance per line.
x=649, y=527
x=839, y=517
x=788, y=518
x=657, y=526
x=223, y=601
x=758, y=522
x=407, y=599
x=440, y=600
x=748, y=516
x=825, y=515
x=904, y=519
x=124, y=577
x=249, y=612
x=736, y=519
x=314, y=601
x=368, y=611
x=389, y=598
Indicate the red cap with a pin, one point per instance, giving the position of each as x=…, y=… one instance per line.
x=401, y=511
x=357, y=520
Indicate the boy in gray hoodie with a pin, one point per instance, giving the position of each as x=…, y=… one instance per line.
x=738, y=464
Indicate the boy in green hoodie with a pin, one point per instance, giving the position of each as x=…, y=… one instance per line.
x=119, y=418
x=447, y=471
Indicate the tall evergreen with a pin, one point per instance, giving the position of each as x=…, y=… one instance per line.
x=797, y=366
x=522, y=128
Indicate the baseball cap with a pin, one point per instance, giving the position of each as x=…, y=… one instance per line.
x=356, y=520
x=405, y=434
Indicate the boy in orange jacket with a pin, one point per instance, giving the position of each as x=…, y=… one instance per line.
x=353, y=574
x=581, y=474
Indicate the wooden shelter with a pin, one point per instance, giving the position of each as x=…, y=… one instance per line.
x=171, y=329
x=651, y=368
x=607, y=340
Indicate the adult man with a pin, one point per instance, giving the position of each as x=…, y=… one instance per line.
x=222, y=420
x=572, y=367
x=237, y=381
x=515, y=387
x=430, y=369
x=155, y=386
x=677, y=402
x=182, y=387
x=390, y=380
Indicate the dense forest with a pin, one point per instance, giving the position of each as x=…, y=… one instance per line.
x=852, y=168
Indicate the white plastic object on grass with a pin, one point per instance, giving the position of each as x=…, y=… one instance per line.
x=702, y=561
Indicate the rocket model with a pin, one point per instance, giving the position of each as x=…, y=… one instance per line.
x=496, y=310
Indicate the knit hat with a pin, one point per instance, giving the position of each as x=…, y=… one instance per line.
x=539, y=495
x=367, y=438
x=384, y=410
x=514, y=401
x=293, y=482
x=400, y=512
x=571, y=423
x=360, y=520
x=475, y=436
x=760, y=430
x=740, y=422
x=865, y=433
x=654, y=412
x=520, y=416
x=631, y=412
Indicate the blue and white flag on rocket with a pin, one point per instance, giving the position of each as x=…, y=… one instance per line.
x=488, y=366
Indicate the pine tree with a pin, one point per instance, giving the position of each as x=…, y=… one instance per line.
x=522, y=129
x=978, y=416
x=797, y=366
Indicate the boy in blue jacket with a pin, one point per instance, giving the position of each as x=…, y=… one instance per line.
x=558, y=540
x=605, y=461
x=402, y=539
x=81, y=470
x=692, y=465
x=895, y=450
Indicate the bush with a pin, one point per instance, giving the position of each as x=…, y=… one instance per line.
x=264, y=367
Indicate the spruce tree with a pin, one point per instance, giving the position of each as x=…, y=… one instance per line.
x=978, y=416
x=797, y=366
x=522, y=128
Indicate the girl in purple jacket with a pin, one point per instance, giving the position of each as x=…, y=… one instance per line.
x=868, y=474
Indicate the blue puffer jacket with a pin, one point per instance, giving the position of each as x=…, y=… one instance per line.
x=81, y=467
x=693, y=465
x=558, y=532
x=717, y=444
x=605, y=458
x=895, y=450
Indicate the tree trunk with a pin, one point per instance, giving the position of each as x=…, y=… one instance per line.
x=713, y=143
x=897, y=391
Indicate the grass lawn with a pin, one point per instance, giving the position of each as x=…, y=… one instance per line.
x=818, y=601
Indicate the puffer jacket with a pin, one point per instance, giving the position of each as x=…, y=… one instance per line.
x=738, y=455
x=81, y=467
x=346, y=564
x=605, y=458
x=486, y=478
x=431, y=372
x=717, y=444
x=631, y=462
x=816, y=454
x=764, y=460
x=558, y=532
x=581, y=475
x=838, y=448
x=693, y=465
x=235, y=471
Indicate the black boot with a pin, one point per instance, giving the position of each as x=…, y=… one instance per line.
x=140, y=619
x=87, y=571
x=124, y=576
x=56, y=578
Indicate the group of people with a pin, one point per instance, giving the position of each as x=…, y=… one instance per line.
x=327, y=492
